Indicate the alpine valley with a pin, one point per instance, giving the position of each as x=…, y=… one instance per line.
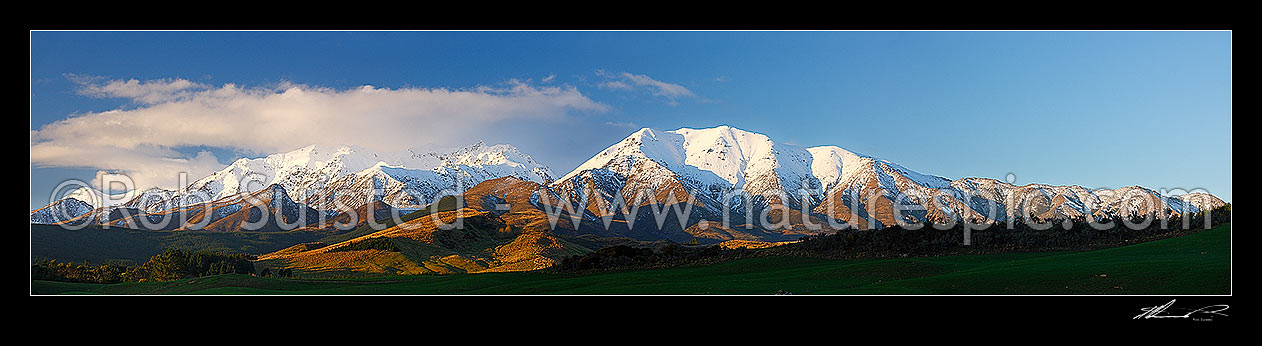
x=718, y=185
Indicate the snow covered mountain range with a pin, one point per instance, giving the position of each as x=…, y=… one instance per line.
x=722, y=170
x=323, y=178
x=713, y=166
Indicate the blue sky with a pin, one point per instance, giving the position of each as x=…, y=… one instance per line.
x=1098, y=109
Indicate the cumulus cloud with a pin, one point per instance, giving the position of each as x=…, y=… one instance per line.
x=628, y=81
x=147, y=165
x=176, y=113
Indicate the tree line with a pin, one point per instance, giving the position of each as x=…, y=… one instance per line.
x=896, y=241
x=171, y=264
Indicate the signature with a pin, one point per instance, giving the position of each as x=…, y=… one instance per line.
x=1165, y=311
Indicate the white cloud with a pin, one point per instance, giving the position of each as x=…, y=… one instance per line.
x=613, y=84
x=622, y=124
x=147, y=92
x=147, y=165
x=549, y=78
x=628, y=81
x=660, y=88
x=178, y=113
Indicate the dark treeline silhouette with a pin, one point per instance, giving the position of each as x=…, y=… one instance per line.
x=626, y=257
x=279, y=273
x=896, y=241
x=172, y=264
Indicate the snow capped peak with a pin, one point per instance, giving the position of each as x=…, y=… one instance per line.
x=713, y=155
x=833, y=165
x=642, y=133
x=97, y=198
x=724, y=158
x=837, y=151
x=715, y=159
x=62, y=209
x=346, y=157
x=721, y=130
x=732, y=154
x=482, y=154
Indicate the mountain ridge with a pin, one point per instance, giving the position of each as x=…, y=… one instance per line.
x=724, y=172
x=729, y=186
x=713, y=163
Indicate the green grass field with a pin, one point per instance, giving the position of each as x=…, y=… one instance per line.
x=1195, y=264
